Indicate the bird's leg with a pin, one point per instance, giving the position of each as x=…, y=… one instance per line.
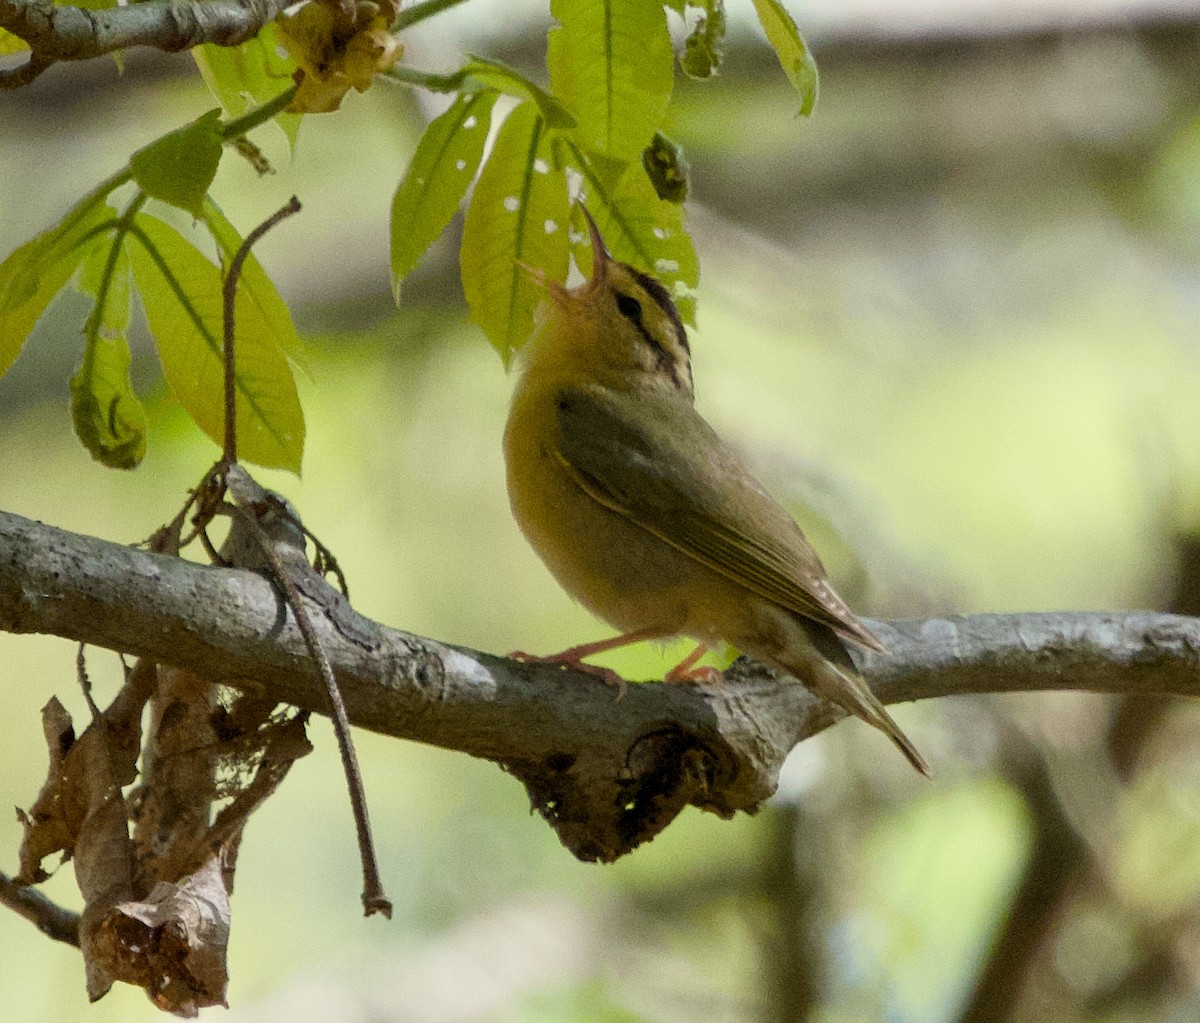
x=573, y=657
x=685, y=671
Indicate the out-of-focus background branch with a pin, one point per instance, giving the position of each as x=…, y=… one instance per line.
x=954, y=316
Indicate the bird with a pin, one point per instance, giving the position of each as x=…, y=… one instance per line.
x=647, y=517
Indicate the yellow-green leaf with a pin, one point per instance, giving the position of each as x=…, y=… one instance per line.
x=10, y=43
x=246, y=76
x=442, y=168
x=33, y=274
x=704, y=48
x=641, y=229
x=518, y=214
x=109, y=420
x=181, y=293
x=611, y=62
x=179, y=167
x=256, y=287
x=794, y=57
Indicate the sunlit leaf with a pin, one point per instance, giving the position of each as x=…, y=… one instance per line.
x=109, y=420
x=33, y=274
x=179, y=167
x=794, y=57
x=704, y=47
x=612, y=64
x=482, y=73
x=442, y=168
x=518, y=214
x=10, y=43
x=241, y=77
x=256, y=287
x=641, y=229
x=181, y=293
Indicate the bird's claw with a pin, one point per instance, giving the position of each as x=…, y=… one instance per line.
x=607, y=675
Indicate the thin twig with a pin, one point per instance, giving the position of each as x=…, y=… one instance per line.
x=373, y=897
x=230, y=295
x=50, y=918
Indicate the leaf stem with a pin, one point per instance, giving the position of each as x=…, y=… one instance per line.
x=91, y=328
x=419, y=12
x=238, y=127
x=427, y=79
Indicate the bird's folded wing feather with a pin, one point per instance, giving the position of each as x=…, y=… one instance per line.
x=657, y=462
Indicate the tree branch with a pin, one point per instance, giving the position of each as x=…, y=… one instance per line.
x=606, y=775
x=52, y=920
x=57, y=33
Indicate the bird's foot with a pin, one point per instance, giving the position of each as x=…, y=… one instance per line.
x=565, y=660
x=704, y=673
x=685, y=670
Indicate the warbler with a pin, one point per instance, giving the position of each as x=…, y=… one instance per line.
x=650, y=520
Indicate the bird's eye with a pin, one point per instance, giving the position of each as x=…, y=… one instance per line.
x=630, y=308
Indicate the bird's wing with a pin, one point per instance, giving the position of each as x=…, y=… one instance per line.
x=657, y=462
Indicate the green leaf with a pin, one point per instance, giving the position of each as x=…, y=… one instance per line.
x=519, y=213
x=704, y=47
x=611, y=62
x=482, y=73
x=640, y=229
x=667, y=168
x=256, y=287
x=181, y=293
x=109, y=420
x=33, y=274
x=794, y=58
x=179, y=167
x=10, y=43
x=442, y=168
x=678, y=6
x=241, y=77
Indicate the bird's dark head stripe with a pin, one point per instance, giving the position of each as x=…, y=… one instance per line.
x=655, y=289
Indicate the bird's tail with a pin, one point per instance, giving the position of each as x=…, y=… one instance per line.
x=857, y=698
x=834, y=677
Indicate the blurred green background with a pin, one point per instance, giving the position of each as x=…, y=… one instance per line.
x=953, y=318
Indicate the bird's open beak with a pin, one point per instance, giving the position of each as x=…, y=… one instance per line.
x=600, y=256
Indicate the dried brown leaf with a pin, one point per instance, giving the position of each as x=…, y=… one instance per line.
x=173, y=943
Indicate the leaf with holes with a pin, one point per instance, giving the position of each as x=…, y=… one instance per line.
x=612, y=64
x=181, y=293
x=518, y=215
x=442, y=168
x=639, y=228
x=482, y=73
x=704, y=48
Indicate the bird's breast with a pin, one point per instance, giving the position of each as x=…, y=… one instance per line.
x=616, y=569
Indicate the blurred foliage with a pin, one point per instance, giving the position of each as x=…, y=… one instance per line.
x=960, y=337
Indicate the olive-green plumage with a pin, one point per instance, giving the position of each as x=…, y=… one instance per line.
x=646, y=516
